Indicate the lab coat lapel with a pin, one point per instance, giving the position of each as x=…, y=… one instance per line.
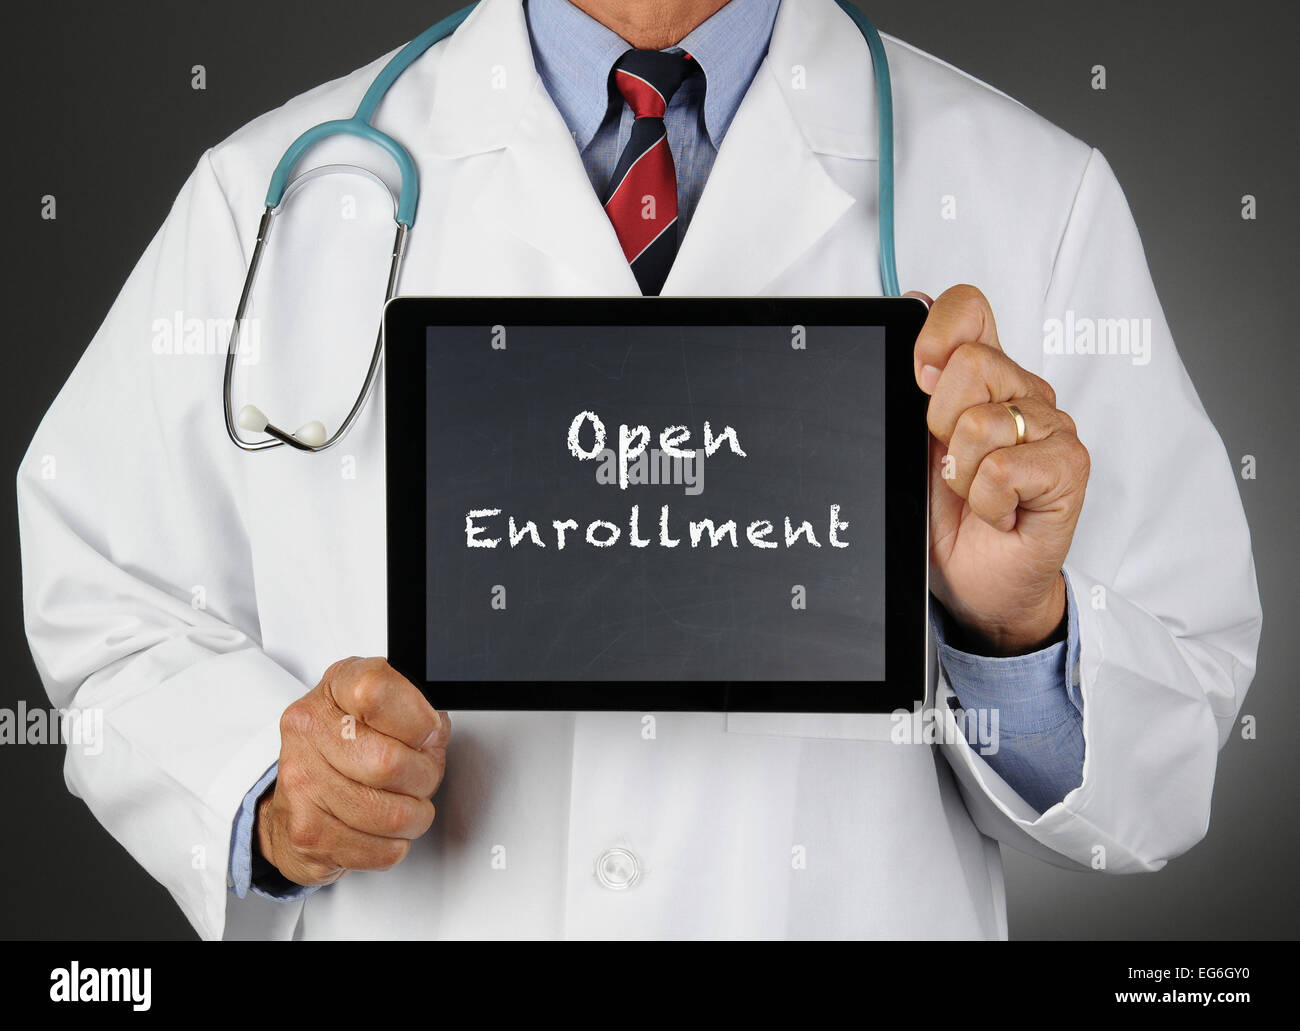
x=769, y=198
x=539, y=192
x=490, y=98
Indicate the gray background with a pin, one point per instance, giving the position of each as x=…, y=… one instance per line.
x=1199, y=110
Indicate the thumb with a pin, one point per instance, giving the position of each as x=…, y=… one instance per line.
x=926, y=375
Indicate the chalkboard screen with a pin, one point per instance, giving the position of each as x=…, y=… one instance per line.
x=671, y=510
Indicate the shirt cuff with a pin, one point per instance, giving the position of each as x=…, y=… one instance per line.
x=248, y=870
x=1033, y=692
x=1028, y=707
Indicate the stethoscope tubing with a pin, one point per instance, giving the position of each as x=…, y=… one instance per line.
x=283, y=184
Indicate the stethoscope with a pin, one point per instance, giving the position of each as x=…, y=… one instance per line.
x=313, y=436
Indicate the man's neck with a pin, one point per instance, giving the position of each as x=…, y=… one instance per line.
x=651, y=24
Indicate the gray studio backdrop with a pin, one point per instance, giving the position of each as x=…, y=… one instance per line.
x=1197, y=113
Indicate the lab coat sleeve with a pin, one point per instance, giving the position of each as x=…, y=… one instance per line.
x=1161, y=566
x=137, y=586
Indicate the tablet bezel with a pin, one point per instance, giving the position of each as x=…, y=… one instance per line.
x=406, y=321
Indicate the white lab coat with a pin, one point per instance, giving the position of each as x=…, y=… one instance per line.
x=193, y=591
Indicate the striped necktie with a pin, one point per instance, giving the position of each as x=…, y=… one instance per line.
x=642, y=198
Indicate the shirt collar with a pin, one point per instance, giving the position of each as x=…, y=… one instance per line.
x=574, y=54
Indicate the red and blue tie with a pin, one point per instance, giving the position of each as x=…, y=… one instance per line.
x=642, y=198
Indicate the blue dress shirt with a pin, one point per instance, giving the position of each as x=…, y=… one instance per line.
x=1040, y=725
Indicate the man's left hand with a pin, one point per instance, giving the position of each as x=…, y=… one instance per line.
x=1002, y=513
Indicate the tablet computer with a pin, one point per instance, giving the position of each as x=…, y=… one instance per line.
x=705, y=504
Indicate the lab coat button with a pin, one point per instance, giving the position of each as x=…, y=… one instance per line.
x=617, y=869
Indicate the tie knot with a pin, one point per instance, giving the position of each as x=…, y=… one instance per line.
x=649, y=78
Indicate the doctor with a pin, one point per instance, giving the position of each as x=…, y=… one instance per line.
x=205, y=598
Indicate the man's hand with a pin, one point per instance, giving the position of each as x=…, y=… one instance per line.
x=360, y=756
x=1002, y=514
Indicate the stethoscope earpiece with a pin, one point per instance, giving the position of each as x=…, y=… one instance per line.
x=312, y=433
x=252, y=419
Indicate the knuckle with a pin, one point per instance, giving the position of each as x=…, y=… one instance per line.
x=437, y=768
x=391, y=852
x=401, y=688
x=976, y=423
x=387, y=763
x=293, y=778
x=392, y=817
x=972, y=360
x=1084, y=458
x=303, y=831
x=996, y=469
x=422, y=774
x=426, y=817
x=370, y=688
x=964, y=356
x=336, y=674
x=966, y=427
x=297, y=720
x=1067, y=423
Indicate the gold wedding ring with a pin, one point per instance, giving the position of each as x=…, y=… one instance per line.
x=1014, y=412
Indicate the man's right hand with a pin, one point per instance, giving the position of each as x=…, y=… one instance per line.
x=360, y=756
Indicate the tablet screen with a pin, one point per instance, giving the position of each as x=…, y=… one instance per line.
x=618, y=503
